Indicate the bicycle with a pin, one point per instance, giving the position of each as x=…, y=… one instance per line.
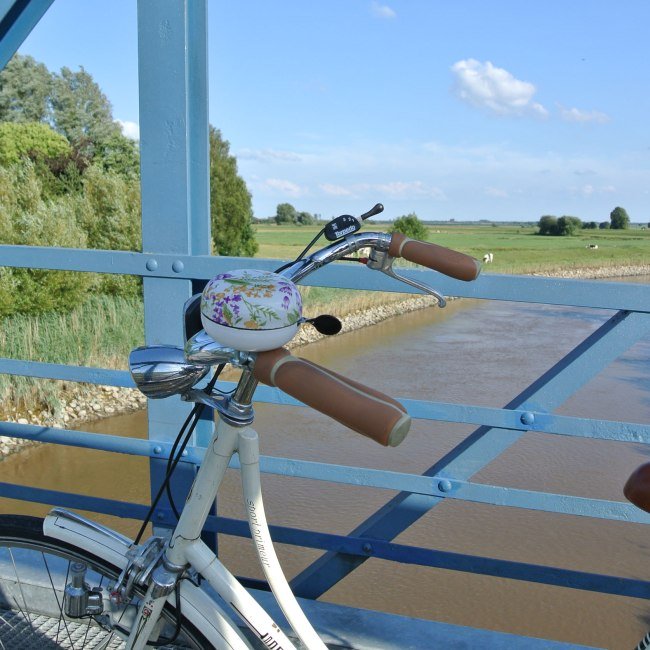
x=100, y=589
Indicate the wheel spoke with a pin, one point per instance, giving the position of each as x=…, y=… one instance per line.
x=32, y=565
x=58, y=602
x=24, y=612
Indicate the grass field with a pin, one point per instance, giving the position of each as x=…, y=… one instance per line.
x=516, y=249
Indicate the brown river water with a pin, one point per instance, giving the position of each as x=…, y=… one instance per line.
x=479, y=352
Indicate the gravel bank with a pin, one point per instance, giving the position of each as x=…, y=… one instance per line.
x=86, y=403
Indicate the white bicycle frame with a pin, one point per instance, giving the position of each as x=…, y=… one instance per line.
x=187, y=549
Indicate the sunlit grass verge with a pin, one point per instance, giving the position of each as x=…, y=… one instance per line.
x=342, y=302
x=100, y=332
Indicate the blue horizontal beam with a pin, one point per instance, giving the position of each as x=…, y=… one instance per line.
x=380, y=549
x=99, y=505
x=88, y=440
x=552, y=291
x=503, y=418
x=84, y=374
x=355, y=546
x=434, y=486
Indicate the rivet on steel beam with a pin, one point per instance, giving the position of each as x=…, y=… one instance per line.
x=157, y=450
x=151, y=265
x=160, y=516
x=527, y=418
x=444, y=485
x=178, y=266
x=367, y=548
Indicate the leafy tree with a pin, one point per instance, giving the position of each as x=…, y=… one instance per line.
x=285, y=213
x=604, y=225
x=619, y=219
x=547, y=225
x=81, y=111
x=33, y=140
x=590, y=225
x=305, y=219
x=550, y=225
x=410, y=226
x=568, y=226
x=119, y=154
x=25, y=87
x=109, y=211
x=25, y=218
x=231, y=210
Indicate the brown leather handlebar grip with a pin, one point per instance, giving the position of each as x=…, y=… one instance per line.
x=452, y=263
x=637, y=488
x=354, y=405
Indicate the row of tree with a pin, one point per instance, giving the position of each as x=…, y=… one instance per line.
x=550, y=225
x=68, y=177
x=286, y=214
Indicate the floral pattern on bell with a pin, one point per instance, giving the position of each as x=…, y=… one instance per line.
x=251, y=299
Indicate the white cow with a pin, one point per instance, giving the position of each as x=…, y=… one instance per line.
x=487, y=258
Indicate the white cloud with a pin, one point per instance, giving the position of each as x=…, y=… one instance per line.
x=576, y=115
x=382, y=11
x=494, y=89
x=335, y=190
x=588, y=190
x=268, y=155
x=130, y=129
x=418, y=188
x=285, y=187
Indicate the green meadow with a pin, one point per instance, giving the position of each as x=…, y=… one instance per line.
x=516, y=249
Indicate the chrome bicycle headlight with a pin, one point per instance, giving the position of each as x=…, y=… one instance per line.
x=162, y=371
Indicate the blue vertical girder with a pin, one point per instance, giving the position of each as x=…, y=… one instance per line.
x=176, y=255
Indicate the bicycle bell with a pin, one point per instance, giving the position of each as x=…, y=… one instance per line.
x=251, y=310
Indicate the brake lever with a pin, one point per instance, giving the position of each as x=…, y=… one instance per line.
x=383, y=261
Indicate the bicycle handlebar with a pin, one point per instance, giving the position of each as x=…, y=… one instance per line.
x=438, y=258
x=362, y=409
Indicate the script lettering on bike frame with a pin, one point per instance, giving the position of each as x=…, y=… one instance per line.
x=256, y=530
x=270, y=643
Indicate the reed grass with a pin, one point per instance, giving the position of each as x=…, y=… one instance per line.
x=98, y=333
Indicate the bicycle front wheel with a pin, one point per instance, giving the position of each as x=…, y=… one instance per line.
x=34, y=571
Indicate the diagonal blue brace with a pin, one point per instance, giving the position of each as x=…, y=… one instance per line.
x=485, y=444
x=17, y=19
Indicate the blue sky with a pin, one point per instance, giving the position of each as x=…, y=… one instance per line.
x=506, y=110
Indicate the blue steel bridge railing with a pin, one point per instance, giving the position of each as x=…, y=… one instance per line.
x=173, y=93
x=448, y=478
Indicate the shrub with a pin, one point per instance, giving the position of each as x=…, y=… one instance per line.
x=33, y=140
x=410, y=226
x=25, y=219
